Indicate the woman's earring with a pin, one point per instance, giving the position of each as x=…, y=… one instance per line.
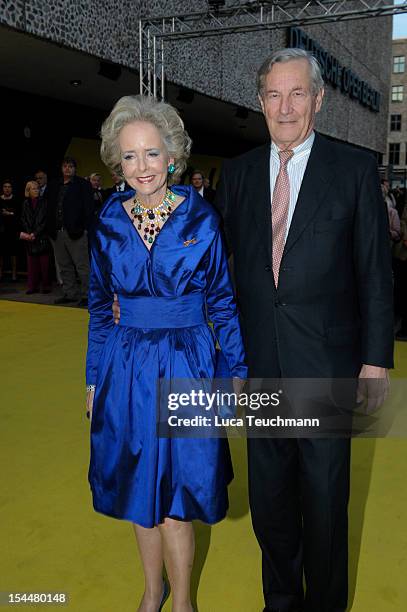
x=171, y=169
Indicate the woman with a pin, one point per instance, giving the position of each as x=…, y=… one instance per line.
x=33, y=221
x=9, y=234
x=160, y=251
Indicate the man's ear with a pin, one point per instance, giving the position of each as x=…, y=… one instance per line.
x=319, y=98
x=261, y=102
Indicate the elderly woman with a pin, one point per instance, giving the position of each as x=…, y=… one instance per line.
x=159, y=248
x=33, y=220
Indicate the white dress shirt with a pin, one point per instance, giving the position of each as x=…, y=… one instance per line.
x=295, y=169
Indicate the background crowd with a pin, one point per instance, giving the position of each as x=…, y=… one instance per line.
x=51, y=219
x=45, y=228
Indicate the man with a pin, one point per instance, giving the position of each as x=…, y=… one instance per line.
x=95, y=180
x=197, y=181
x=119, y=185
x=69, y=214
x=306, y=223
x=42, y=179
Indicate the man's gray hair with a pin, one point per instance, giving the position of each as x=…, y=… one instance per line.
x=288, y=55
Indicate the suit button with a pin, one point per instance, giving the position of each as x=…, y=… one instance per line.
x=268, y=268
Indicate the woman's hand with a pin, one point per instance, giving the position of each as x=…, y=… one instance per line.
x=116, y=309
x=89, y=403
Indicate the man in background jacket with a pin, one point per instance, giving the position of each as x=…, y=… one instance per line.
x=69, y=214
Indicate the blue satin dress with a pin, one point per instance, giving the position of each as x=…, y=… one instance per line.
x=165, y=295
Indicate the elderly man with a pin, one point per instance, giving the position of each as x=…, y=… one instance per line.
x=306, y=223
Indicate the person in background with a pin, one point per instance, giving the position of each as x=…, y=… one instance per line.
x=119, y=185
x=70, y=207
x=394, y=220
x=98, y=196
x=33, y=223
x=42, y=180
x=197, y=181
x=9, y=212
x=400, y=278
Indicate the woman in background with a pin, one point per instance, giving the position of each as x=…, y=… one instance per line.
x=9, y=226
x=33, y=221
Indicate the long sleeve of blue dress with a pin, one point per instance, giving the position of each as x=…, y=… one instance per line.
x=100, y=310
x=222, y=310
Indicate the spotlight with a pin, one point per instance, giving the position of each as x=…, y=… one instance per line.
x=185, y=95
x=109, y=71
x=75, y=82
x=241, y=113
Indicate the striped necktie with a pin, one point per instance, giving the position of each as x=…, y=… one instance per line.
x=279, y=210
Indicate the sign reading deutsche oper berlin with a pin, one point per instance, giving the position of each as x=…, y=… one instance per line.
x=335, y=73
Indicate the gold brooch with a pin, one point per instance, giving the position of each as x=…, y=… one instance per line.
x=188, y=242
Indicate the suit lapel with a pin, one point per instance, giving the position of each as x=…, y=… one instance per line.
x=258, y=180
x=317, y=179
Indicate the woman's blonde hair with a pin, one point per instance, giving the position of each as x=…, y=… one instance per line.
x=162, y=115
x=28, y=186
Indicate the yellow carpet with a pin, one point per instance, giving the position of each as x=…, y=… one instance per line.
x=52, y=540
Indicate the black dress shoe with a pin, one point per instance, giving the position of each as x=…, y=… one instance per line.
x=279, y=610
x=402, y=334
x=31, y=291
x=64, y=300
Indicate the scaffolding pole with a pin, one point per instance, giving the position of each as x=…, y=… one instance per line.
x=242, y=18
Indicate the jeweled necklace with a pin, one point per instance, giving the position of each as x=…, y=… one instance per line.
x=151, y=220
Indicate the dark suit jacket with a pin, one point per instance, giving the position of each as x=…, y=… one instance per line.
x=33, y=220
x=209, y=194
x=332, y=310
x=108, y=192
x=78, y=207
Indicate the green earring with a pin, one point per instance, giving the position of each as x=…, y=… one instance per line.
x=171, y=169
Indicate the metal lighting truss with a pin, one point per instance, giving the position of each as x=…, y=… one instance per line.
x=242, y=17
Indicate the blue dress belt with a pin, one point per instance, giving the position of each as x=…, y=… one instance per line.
x=163, y=312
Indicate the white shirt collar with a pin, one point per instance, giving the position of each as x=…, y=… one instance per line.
x=302, y=149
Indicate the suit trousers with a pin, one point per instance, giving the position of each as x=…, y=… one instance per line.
x=73, y=260
x=299, y=493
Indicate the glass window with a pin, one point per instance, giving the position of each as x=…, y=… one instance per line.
x=397, y=93
x=399, y=63
x=394, y=153
x=395, y=123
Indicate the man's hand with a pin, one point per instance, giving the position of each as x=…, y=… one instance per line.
x=238, y=384
x=116, y=309
x=373, y=387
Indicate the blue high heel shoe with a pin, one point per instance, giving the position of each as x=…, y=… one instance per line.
x=166, y=594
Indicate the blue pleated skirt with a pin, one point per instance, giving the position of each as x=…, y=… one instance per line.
x=133, y=474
